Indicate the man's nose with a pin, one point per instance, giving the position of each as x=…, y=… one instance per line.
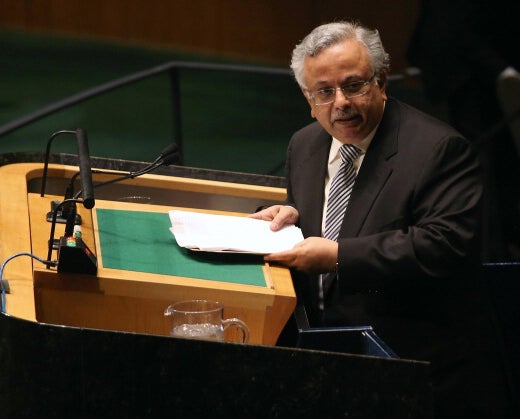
x=339, y=97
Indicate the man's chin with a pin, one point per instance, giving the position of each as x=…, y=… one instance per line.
x=346, y=131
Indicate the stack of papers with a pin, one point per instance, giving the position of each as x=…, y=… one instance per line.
x=224, y=233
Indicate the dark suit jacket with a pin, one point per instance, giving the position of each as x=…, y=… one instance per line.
x=409, y=245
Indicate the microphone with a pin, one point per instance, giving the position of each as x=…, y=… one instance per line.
x=171, y=150
x=85, y=172
x=169, y=155
x=85, y=169
x=73, y=254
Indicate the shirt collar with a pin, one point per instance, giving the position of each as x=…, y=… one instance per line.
x=363, y=145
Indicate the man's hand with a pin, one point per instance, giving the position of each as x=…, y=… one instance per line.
x=279, y=215
x=314, y=254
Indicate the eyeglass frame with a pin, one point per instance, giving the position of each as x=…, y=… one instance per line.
x=361, y=83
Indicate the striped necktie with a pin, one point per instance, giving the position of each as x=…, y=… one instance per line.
x=339, y=195
x=340, y=190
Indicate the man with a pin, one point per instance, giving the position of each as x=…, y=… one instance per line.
x=406, y=258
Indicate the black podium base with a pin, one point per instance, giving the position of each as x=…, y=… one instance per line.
x=56, y=371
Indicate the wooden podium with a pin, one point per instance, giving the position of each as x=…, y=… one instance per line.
x=119, y=361
x=124, y=300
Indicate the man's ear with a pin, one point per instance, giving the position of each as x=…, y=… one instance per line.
x=309, y=101
x=382, y=83
x=382, y=79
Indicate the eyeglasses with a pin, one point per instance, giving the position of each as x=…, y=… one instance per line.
x=349, y=90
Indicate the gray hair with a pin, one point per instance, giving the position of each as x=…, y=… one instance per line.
x=330, y=34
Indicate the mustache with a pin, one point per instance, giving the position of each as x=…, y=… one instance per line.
x=343, y=114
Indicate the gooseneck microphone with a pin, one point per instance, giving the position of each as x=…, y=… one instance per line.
x=85, y=172
x=85, y=169
x=84, y=165
x=168, y=156
x=170, y=151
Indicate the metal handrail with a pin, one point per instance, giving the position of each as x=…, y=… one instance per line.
x=172, y=67
x=124, y=81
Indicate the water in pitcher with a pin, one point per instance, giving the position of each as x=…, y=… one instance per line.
x=205, y=331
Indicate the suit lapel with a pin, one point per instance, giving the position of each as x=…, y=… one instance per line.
x=316, y=170
x=373, y=174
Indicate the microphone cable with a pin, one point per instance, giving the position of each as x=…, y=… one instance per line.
x=4, y=285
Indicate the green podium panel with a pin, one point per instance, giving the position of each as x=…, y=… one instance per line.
x=141, y=241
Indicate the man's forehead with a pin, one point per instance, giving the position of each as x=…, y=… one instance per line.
x=346, y=53
x=341, y=62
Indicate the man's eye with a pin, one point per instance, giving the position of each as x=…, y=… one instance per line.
x=352, y=87
x=326, y=92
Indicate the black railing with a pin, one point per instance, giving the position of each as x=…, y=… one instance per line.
x=172, y=68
